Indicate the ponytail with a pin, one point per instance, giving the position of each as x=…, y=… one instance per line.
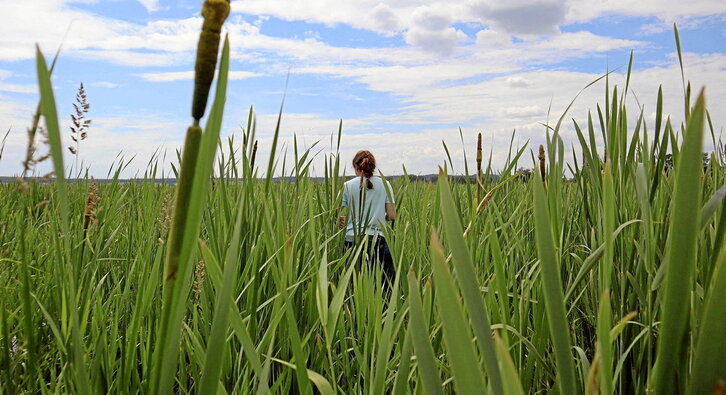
x=365, y=162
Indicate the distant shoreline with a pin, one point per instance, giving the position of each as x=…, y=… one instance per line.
x=172, y=181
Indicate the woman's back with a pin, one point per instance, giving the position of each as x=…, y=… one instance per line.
x=367, y=206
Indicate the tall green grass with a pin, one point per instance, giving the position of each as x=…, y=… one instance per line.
x=608, y=281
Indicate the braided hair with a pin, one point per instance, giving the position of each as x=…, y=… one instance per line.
x=365, y=162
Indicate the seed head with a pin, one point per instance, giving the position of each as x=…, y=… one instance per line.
x=214, y=12
x=542, y=162
x=89, y=213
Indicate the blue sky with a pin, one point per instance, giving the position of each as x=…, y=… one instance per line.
x=402, y=75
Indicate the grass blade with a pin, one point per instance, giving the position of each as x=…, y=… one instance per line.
x=457, y=337
x=552, y=287
x=680, y=253
x=418, y=330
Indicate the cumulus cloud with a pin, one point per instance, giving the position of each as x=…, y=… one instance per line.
x=493, y=38
x=441, y=41
x=524, y=17
x=489, y=83
x=384, y=19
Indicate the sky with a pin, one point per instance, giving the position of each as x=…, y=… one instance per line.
x=402, y=76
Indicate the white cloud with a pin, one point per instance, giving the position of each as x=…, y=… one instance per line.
x=17, y=88
x=440, y=41
x=518, y=82
x=583, y=42
x=189, y=75
x=524, y=17
x=528, y=17
x=493, y=38
x=492, y=84
x=105, y=84
x=666, y=10
x=384, y=19
x=150, y=5
x=523, y=111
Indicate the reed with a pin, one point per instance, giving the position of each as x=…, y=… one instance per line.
x=555, y=284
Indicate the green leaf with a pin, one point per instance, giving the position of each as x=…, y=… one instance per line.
x=419, y=332
x=681, y=252
x=552, y=287
x=457, y=337
x=466, y=277
x=510, y=378
x=708, y=358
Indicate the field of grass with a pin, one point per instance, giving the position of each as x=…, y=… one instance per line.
x=608, y=282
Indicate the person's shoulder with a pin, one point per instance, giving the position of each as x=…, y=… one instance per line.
x=380, y=180
x=352, y=181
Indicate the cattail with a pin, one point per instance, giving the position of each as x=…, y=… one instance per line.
x=254, y=154
x=478, y=153
x=89, y=213
x=214, y=12
x=478, y=166
x=542, y=162
x=183, y=193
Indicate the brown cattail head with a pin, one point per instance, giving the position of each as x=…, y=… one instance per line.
x=254, y=153
x=89, y=213
x=542, y=162
x=214, y=12
x=365, y=162
x=478, y=152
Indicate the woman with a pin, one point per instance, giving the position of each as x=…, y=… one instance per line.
x=370, y=204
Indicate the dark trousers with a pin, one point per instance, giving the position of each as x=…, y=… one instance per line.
x=378, y=254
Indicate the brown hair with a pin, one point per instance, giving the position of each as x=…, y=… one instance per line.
x=365, y=162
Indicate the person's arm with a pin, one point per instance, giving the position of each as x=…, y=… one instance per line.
x=341, y=218
x=343, y=205
x=390, y=212
x=390, y=203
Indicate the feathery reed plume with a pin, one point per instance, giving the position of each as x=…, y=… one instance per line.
x=79, y=122
x=165, y=217
x=90, y=211
x=199, y=273
x=542, y=162
x=31, y=157
x=214, y=12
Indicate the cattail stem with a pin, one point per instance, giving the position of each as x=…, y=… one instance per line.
x=183, y=195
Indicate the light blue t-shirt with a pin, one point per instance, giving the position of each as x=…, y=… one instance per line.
x=371, y=215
